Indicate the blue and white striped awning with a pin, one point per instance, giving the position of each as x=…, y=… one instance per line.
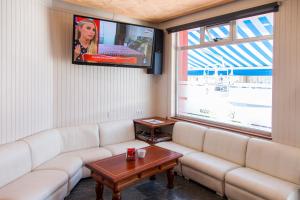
x=246, y=59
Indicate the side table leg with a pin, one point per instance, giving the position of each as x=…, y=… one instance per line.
x=170, y=175
x=134, y=125
x=152, y=135
x=116, y=195
x=99, y=191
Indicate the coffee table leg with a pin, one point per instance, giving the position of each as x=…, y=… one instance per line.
x=116, y=195
x=99, y=191
x=170, y=175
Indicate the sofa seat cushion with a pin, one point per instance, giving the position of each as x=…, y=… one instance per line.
x=176, y=147
x=208, y=164
x=90, y=155
x=37, y=185
x=263, y=185
x=68, y=164
x=120, y=148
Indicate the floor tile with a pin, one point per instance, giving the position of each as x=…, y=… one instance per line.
x=148, y=190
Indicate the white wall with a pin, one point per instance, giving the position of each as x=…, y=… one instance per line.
x=286, y=69
x=25, y=69
x=41, y=89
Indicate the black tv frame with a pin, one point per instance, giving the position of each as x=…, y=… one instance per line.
x=109, y=64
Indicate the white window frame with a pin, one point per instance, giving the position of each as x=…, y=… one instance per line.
x=209, y=27
x=232, y=40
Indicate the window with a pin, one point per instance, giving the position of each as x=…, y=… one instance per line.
x=217, y=33
x=224, y=73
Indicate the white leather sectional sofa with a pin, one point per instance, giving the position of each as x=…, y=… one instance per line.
x=47, y=165
x=238, y=166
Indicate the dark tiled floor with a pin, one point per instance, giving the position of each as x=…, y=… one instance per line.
x=148, y=190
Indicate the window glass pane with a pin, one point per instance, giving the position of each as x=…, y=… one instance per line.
x=261, y=25
x=189, y=37
x=217, y=33
x=227, y=83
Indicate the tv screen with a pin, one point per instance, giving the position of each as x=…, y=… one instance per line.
x=103, y=42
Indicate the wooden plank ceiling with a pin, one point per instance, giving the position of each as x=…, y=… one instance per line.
x=154, y=11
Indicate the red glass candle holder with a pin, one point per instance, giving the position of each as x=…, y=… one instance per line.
x=130, y=155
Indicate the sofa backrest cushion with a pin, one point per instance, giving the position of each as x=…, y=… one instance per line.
x=226, y=145
x=275, y=159
x=15, y=161
x=44, y=146
x=79, y=137
x=116, y=132
x=189, y=135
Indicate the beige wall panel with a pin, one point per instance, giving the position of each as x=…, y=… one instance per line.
x=286, y=78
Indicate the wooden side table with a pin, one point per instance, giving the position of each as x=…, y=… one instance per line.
x=153, y=124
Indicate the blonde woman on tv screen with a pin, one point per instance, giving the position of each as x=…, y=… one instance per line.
x=86, y=39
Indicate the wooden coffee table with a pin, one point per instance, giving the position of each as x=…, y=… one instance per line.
x=117, y=173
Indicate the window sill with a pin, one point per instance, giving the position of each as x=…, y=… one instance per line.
x=228, y=128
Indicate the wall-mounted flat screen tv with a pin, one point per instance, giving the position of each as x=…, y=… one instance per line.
x=109, y=43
